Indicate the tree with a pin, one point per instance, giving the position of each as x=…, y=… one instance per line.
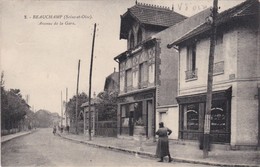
x=71, y=105
x=107, y=106
x=46, y=119
x=13, y=107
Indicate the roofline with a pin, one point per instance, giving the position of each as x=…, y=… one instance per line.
x=218, y=23
x=180, y=39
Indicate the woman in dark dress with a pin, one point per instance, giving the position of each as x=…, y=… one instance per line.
x=162, y=149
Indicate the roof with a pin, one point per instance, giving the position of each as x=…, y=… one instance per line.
x=150, y=15
x=247, y=8
x=114, y=77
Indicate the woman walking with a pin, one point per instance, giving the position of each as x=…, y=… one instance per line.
x=162, y=149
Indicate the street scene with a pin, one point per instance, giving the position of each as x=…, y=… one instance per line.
x=130, y=83
x=42, y=148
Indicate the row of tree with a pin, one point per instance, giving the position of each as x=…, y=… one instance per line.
x=15, y=112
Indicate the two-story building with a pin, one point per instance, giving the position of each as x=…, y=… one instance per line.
x=139, y=66
x=236, y=79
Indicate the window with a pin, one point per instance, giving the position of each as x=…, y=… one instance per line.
x=191, y=62
x=219, y=57
x=132, y=40
x=218, y=116
x=191, y=117
x=129, y=79
x=139, y=36
x=143, y=74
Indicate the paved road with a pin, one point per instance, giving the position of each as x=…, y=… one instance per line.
x=42, y=148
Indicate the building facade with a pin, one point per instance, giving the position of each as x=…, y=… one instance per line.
x=139, y=66
x=112, y=82
x=236, y=78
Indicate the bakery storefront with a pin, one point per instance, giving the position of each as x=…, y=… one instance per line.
x=136, y=110
x=192, y=113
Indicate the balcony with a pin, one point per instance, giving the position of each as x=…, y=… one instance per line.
x=218, y=68
x=143, y=84
x=128, y=88
x=191, y=74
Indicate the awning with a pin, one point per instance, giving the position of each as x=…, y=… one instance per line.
x=196, y=98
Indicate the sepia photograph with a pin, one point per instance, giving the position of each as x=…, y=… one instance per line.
x=129, y=83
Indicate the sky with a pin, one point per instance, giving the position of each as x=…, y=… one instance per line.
x=40, y=54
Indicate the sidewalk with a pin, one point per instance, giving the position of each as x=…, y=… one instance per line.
x=15, y=135
x=180, y=152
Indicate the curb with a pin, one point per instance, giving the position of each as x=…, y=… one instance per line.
x=6, y=140
x=150, y=155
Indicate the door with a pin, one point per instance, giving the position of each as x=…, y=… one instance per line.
x=131, y=123
x=150, y=116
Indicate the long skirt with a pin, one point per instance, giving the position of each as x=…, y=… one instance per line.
x=162, y=148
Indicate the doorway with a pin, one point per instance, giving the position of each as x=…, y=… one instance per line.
x=150, y=112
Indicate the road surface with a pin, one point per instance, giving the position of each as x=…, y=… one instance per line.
x=42, y=148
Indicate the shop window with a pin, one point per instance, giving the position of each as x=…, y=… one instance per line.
x=191, y=117
x=191, y=72
x=131, y=114
x=218, y=116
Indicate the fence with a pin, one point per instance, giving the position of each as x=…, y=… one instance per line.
x=106, y=128
x=8, y=132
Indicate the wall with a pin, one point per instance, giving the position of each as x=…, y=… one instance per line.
x=247, y=90
x=170, y=117
x=169, y=60
x=198, y=85
x=241, y=71
x=246, y=113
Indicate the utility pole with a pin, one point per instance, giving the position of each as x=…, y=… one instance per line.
x=90, y=80
x=77, y=94
x=66, y=114
x=210, y=80
x=61, y=110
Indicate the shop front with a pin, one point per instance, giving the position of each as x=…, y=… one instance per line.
x=192, y=114
x=136, y=111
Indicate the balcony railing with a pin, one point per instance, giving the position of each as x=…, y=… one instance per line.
x=128, y=88
x=142, y=85
x=191, y=74
x=218, y=67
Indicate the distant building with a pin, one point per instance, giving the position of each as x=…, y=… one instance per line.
x=140, y=67
x=112, y=82
x=236, y=84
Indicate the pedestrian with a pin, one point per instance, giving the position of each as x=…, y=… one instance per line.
x=54, y=129
x=162, y=149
